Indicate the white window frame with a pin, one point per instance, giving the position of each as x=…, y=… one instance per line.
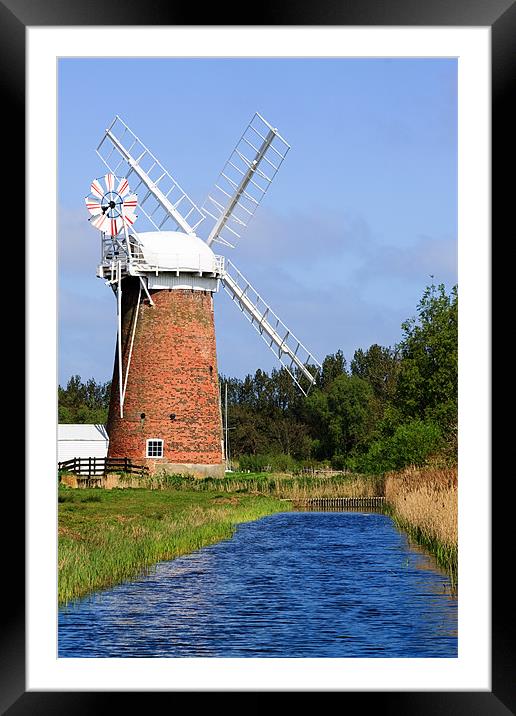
x=153, y=440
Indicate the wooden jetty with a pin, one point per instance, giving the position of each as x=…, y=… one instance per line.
x=342, y=503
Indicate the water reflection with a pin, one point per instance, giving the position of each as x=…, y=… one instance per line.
x=303, y=584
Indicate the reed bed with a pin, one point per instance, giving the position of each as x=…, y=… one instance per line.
x=424, y=504
x=283, y=486
x=107, y=537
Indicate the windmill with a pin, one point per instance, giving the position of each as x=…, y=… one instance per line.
x=165, y=404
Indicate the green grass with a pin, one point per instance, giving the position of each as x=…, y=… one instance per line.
x=109, y=536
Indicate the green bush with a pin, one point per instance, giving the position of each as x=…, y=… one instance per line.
x=253, y=463
x=284, y=463
x=411, y=444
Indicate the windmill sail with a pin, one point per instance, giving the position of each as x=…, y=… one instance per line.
x=165, y=204
x=243, y=181
x=239, y=189
x=287, y=348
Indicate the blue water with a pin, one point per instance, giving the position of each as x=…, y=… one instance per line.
x=295, y=584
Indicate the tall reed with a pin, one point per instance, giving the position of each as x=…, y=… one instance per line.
x=424, y=503
x=286, y=486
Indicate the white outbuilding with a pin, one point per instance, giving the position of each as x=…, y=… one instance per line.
x=81, y=440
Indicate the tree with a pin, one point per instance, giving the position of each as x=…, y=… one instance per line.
x=343, y=417
x=332, y=366
x=246, y=434
x=379, y=367
x=412, y=443
x=286, y=398
x=83, y=402
x=427, y=386
x=289, y=437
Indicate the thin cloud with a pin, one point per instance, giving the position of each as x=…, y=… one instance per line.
x=302, y=239
x=427, y=256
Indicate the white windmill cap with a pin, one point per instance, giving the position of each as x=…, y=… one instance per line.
x=176, y=251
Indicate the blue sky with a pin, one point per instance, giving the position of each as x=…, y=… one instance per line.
x=361, y=214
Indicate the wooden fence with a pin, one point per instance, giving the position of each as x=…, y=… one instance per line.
x=343, y=502
x=99, y=466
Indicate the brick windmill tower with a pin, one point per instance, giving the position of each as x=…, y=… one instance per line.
x=165, y=401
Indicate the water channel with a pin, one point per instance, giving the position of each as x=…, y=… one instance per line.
x=294, y=584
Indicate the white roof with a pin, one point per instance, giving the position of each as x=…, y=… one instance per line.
x=81, y=431
x=177, y=251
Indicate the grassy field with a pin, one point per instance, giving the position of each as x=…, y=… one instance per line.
x=109, y=536
x=424, y=504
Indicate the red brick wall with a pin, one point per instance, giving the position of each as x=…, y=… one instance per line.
x=173, y=370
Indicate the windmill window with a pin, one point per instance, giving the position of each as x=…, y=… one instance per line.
x=154, y=448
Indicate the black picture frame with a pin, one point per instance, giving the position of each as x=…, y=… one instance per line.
x=500, y=16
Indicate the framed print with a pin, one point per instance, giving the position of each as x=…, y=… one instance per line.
x=34, y=40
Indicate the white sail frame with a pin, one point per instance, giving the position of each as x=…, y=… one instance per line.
x=291, y=353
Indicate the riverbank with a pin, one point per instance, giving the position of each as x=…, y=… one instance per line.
x=421, y=501
x=424, y=503
x=109, y=536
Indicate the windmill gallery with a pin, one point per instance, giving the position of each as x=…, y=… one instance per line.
x=165, y=407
